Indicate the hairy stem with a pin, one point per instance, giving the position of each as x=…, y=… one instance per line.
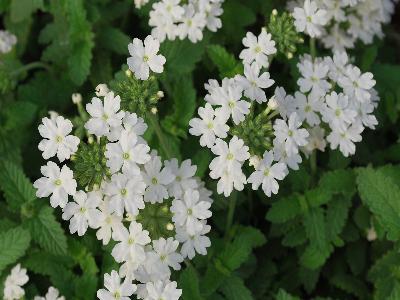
x=160, y=135
x=231, y=213
x=313, y=48
x=31, y=66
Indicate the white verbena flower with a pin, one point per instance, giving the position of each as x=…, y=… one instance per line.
x=57, y=140
x=162, y=290
x=337, y=111
x=267, y=174
x=308, y=108
x=105, y=115
x=192, y=24
x=344, y=138
x=82, y=212
x=57, y=183
x=13, y=284
x=144, y=57
x=184, y=177
x=258, y=48
x=193, y=243
x=356, y=84
x=310, y=19
x=7, y=41
x=115, y=289
x=108, y=222
x=52, y=294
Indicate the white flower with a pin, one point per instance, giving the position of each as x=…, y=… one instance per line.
x=192, y=24
x=131, y=242
x=285, y=103
x=140, y=3
x=291, y=160
x=267, y=174
x=228, y=156
x=231, y=102
x=115, y=289
x=145, y=58
x=345, y=138
x=52, y=294
x=229, y=180
x=210, y=126
x=156, y=180
x=192, y=244
x=337, y=65
x=57, y=183
x=253, y=82
x=337, y=112
x=13, y=284
x=165, y=254
x=307, y=108
x=104, y=116
x=314, y=77
x=310, y=19
x=57, y=140
x=108, y=222
x=190, y=211
x=258, y=49
x=290, y=133
x=127, y=154
x=357, y=85
x=316, y=140
x=364, y=112
x=184, y=177
x=162, y=290
x=126, y=191
x=212, y=11
x=7, y=41
x=83, y=212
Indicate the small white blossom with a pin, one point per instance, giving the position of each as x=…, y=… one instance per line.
x=192, y=24
x=356, y=84
x=52, y=294
x=184, y=177
x=344, y=138
x=314, y=77
x=144, y=57
x=310, y=19
x=193, y=243
x=316, y=140
x=258, y=48
x=13, y=284
x=337, y=111
x=57, y=183
x=115, y=289
x=285, y=103
x=165, y=254
x=308, y=108
x=162, y=290
x=7, y=41
x=57, y=139
x=108, y=222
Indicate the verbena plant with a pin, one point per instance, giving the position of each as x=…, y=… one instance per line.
x=199, y=149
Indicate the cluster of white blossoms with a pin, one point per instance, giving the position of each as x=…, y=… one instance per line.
x=13, y=286
x=339, y=24
x=335, y=100
x=137, y=198
x=7, y=41
x=170, y=19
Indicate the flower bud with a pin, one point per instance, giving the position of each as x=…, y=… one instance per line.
x=154, y=110
x=160, y=94
x=128, y=73
x=272, y=104
x=254, y=161
x=76, y=98
x=101, y=90
x=371, y=234
x=53, y=115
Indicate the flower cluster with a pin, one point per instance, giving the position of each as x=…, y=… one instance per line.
x=156, y=213
x=7, y=41
x=171, y=19
x=17, y=279
x=340, y=23
x=335, y=99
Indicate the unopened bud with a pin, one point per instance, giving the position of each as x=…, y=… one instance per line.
x=101, y=90
x=128, y=73
x=90, y=140
x=53, y=115
x=254, y=161
x=160, y=94
x=76, y=98
x=272, y=104
x=274, y=12
x=290, y=55
x=170, y=226
x=154, y=110
x=371, y=234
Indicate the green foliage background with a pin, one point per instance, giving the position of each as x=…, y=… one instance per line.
x=309, y=242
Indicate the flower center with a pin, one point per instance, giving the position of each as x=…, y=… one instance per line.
x=307, y=108
x=146, y=58
x=117, y=295
x=309, y=19
x=131, y=241
x=108, y=220
x=125, y=155
x=231, y=104
x=314, y=79
x=154, y=180
x=189, y=211
x=257, y=49
x=83, y=209
x=229, y=156
x=266, y=172
x=163, y=257
x=58, y=182
x=178, y=178
x=355, y=84
x=338, y=112
x=59, y=139
x=189, y=23
x=105, y=117
x=124, y=192
x=290, y=133
x=210, y=125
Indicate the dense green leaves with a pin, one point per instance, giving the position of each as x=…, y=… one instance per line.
x=13, y=245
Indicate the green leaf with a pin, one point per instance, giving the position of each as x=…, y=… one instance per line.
x=47, y=232
x=313, y=257
x=336, y=216
x=381, y=194
x=22, y=9
x=283, y=295
x=79, y=62
x=226, y=63
x=114, y=39
x=19, y=114
x=16, y=186
x=189, y=283
x=338, y=181
x=314, y=223
x=13, y=244
x=284, y=209
x=351, y=285
x=234, y=289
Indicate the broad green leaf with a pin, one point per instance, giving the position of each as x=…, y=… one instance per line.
x=13, y=245
x=79, y=62
x=283, y=295
x=316, y=227
x=235, y=289
x=189, y=283
x=114, y=39
x=284, y=209
x=226, y=63
x=16, y=186
x=47, y=232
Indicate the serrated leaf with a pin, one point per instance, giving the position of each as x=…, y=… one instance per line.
x=19, y=114
x=226, y=63
x=381, y=195
x=336, y=216
x=189, y=283
x=234, y=289
x=313, y=257
x=79, y=62
x=47, y=232
x=284, y=209
x=338, y=181
x=13, y=244
x=351, y=285
x=16, y=186
x=114, y=39
x=283, y=295
x=315, y=226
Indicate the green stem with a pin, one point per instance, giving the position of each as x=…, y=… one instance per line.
x=31, y=66
x=313, y=48
x=231, y=213
x=313, y=166
x=161, y=137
